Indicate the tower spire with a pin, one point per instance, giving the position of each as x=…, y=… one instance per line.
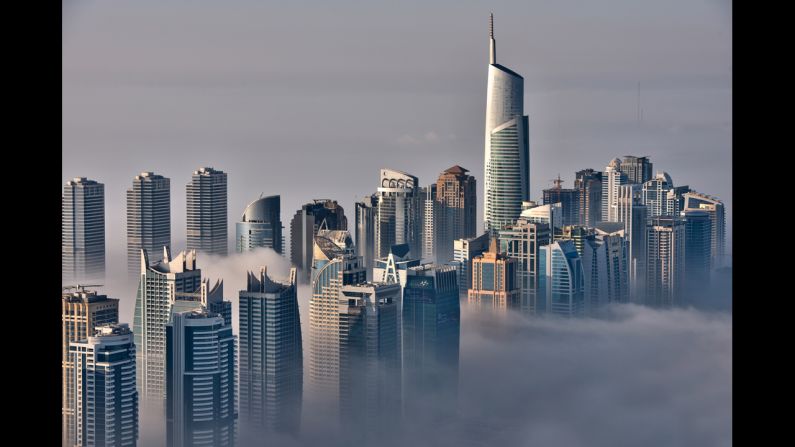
x=492, y=44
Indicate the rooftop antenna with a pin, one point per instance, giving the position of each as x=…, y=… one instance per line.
x=492, y=44
x=639, y=111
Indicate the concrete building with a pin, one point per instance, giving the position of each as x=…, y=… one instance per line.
x=494, y=280
x=561, y=279
x=365, y=231
x=464, y=251
x=206, y=198
x=83, y=231
x=148, y=218
x=456, y=197
x=323, y=213
x=398, y=217
x=665, y=267
x=522, y=242
x=588, y=184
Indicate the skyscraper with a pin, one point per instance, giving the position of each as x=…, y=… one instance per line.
x=334, y=265
x=261, y=225
x=456, y=197
x=271, y=355
x=369, y=361
x=612, y=179
x=638, y=169
x=633, y=217
x=588, y=184
x=561, y=280
x=464, y=251
x=398, y=214
x=698, y=253
x=148, y=217
x=200, y=380
x=430, y=221
x=522, y=242
x=165, y=287
x=365, y=230
x=569, y=200
x=605, y=270
x=394, y=267
x=311, y=217
x=83, y=230
x=81, y=312
x=550, y=214
x=665, y=248
x=207, y=212
x=431, y=330
x=507, y=149
x=106, y=402
x=717, y=215
x=655, y=195
x=577, y=234
x=494, y=280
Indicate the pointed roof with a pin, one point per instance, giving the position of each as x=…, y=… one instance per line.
x=457, y=170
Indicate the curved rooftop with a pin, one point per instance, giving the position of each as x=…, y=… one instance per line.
x=262, y=209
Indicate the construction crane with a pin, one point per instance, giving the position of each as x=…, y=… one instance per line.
x=557, y=182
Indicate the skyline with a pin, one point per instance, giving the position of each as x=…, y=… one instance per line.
x=443, y=126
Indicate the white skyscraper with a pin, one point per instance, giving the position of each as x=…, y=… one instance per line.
x=507, y=152
x=612, y=179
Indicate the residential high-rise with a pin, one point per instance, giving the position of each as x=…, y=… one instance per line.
x=464, y=251
x=431, y=320
x=365, y=230
x=165, y=287
x=507, y=149
x=430, y=221
x=334, y=265
x=200, y=380
x=83, y=230
x=207, y=213
x=665, y=248
x=569, y=200
x=577, y=234
x=494, y=280
x=271, y=356
x=655, y=195
x=633, y=218
x=456, y=197
x=106, y=402
x=612, y=179
x=717, y=214
x=550, y=214
x=261, y=225
x=588, y=183
x=148, y=217
x=311, y=217
x=522, y=242
x=369, y=361
x=81, y=312
x=561, y=279
x=605, y=270
x=638, y=169
x=698, y=253
x=398, y=213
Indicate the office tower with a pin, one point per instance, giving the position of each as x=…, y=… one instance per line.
x=612, y=179
x=365, y=230
x=398, y=214
x=431, y=319
x=271, y=355
x=394, y=267
x=207, y=212
x=638, y=169
x=324, y=213
x=717, y=214
x=457, y=199
x=698, y=253
x=106, y=402
x=665, y=248
x=464, y=251
x=494, y=280
x=165, y=287
x=81, y=312
x=561, y=280
x=522, y=242
x=588, y=184
x=655, y=195
x=675, y=199
x=335, y=264
x=569, y=200
x=261, y=225
x=369, y=361
x=577, y=234
x=605, y=270
x=551, y=214
x=83, y=230
x=148, y=217
x=430, y=221
x=507, y=152
x=200, y=380
x=633, y=217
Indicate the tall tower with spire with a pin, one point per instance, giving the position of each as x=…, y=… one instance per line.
x=507, y=151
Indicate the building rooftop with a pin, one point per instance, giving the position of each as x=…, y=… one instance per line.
x=457, y=170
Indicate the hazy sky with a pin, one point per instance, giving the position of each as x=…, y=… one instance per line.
x=308, y=99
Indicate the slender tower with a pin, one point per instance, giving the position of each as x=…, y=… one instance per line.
x=507, y=154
